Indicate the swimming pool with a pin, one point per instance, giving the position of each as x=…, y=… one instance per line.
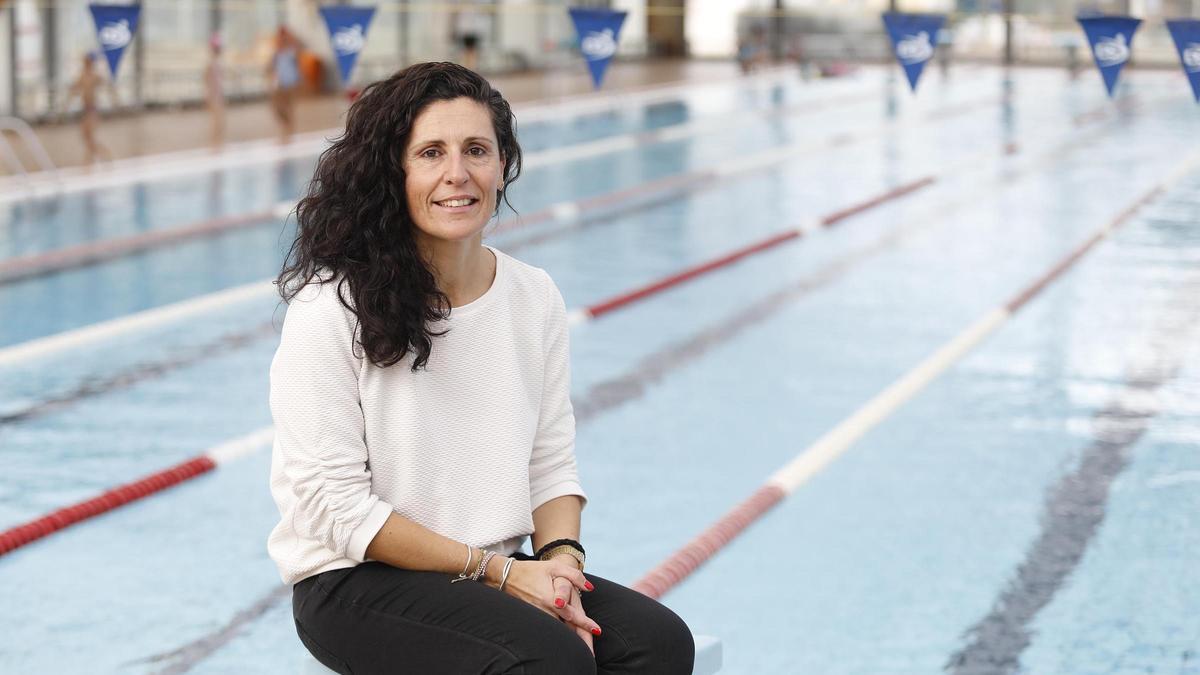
x=995, y=519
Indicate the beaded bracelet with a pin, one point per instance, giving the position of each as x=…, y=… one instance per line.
x=479, y=571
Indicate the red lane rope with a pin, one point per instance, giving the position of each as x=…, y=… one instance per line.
x=690, y=273
x=696, y=552
x=65, y=517
x=838, y=216
x=21, y=535
x=624, y=299
x=686, y=560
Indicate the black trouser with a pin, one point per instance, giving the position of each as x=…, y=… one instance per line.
x=375, y=618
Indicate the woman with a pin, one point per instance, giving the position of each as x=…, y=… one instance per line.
x=86, y=87
x=423, y=421
x=214, y=91
x=283, y=74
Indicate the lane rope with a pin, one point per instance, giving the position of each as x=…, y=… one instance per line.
x=678, y=566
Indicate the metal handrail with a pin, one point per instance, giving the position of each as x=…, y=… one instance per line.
x=22, y=129
x=10, y=157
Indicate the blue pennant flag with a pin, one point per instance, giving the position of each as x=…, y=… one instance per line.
x=1186, y=34
x=347, y=33
x=115, y=28
x=912, y=40
x=1111, y=38
x=598, y=30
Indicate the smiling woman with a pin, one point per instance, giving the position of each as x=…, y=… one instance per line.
x=424, y=427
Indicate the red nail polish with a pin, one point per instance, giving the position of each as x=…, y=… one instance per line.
x=595, y=631
x=588, y=585
x=558, y=602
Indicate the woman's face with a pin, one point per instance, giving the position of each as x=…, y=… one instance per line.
x=452, y=169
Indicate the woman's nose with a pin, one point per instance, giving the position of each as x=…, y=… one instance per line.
x=456, y=169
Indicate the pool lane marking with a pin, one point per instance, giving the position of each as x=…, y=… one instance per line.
x=16, y=537
x=681, y=131
x=21, y=535
x=619, y=390
x=159, y=166
x=188, y=655
x=146, y=371
x=634, y=197
x=629, y=297
x=39, y=348
x=1075, y=506
x=18, y=268
x=567, y=217
x=24, y=534
x=32, y=265
x=622, y=389
x=139, y=372
x=835, y=442
x=83, y=336
x=590, y=103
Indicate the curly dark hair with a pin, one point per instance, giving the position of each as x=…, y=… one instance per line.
x=354, y=223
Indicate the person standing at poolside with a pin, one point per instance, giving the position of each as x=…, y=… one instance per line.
x=214, y=90
x=283, y=73
x=469, y=25
x=86, y=87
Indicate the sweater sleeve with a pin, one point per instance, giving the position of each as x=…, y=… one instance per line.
x=319, y=426
x=552, y=470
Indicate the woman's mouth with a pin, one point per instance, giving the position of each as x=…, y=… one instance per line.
x=457, y=202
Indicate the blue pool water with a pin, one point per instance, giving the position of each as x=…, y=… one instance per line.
x=888, y=561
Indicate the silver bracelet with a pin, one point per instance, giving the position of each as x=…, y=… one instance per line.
x=504, y=574
x=462, y=576
x=479, y=571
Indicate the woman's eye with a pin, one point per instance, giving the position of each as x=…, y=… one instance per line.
x=477, y=151
x=430, y=153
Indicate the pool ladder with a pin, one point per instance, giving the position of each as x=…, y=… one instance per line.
x=22, y=129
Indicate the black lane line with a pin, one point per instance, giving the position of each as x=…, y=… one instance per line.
x=139, y=373
x=599, y=398
x=1075, y=506
x=188, y=655
x=149, y=371
x=655, y=367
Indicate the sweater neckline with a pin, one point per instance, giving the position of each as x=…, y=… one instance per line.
x=489, y=295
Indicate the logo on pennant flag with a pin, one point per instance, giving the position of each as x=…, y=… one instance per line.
x=115, y=27
x=1191, y=57
x=349, y=40
x=115, y=35
x=598, y=31
x=912, y=40
x=347, y=34
x=1186, y=34
x=596, y=46
x=1111, y=38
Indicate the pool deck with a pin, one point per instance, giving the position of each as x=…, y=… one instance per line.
x=159, y=131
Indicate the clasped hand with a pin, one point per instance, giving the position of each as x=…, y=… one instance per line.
x=551, y=587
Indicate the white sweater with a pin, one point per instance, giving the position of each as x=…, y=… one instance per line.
x=468, y=447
